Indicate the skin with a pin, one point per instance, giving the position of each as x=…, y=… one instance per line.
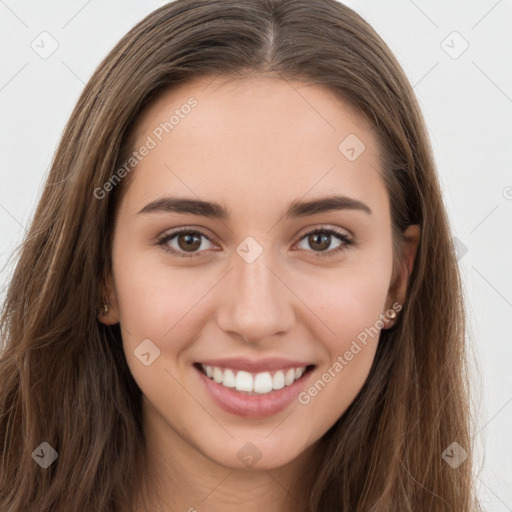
x=253, y=145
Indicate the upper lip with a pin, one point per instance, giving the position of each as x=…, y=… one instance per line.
x=255, y=366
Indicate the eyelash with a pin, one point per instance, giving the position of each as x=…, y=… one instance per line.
x=347, y=241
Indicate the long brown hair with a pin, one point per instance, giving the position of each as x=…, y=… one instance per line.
x=64, y=379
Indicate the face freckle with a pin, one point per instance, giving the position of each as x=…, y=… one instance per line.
x=266, y=289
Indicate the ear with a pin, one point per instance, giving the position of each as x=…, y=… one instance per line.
x=108, y=315
x=398, y=287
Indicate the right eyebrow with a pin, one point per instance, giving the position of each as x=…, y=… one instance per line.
x=186, y=205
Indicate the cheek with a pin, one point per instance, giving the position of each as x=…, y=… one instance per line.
x=350, y=303
x=151, y=296
x=157, y=304
x=350, y=298
x=165, y=304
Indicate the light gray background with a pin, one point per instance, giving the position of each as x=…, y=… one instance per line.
x=467, y=103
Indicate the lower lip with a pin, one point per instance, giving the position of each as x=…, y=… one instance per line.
x=253, y=406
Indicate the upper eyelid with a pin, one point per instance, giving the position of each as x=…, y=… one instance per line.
x=308, y=230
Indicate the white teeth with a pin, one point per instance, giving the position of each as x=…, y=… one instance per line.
x=263, y=383
x=278, y=380
x=289, y=377
x=229, y=379
x=259, y=383
x=244, y=381
x=218, y=374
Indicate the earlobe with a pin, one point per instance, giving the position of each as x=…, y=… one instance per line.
x=107, y=315
x=108, y=309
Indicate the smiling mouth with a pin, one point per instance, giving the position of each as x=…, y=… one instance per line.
x=250, y=383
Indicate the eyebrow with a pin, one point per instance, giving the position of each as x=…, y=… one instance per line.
x=216, y=211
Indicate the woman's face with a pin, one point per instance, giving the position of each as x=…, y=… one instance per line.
x=254, y=291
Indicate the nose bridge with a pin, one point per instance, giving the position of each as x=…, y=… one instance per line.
x=256, y=305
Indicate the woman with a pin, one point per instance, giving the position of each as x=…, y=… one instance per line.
x=238, y=289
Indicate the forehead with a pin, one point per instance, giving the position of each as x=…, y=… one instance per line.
x=269, y=139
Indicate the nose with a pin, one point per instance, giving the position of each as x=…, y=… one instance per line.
x=256, y=305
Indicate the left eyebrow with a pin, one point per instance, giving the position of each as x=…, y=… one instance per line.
x=325, y=204
x=217, y=211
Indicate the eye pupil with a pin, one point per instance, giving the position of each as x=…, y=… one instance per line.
x=189, y=244
x=324, y=241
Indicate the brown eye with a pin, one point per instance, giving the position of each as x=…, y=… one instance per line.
x=189, y=242
x=185, y=242
x=320, y=240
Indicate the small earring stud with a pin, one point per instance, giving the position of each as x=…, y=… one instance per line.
x=391, y=314
x=105, y=308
